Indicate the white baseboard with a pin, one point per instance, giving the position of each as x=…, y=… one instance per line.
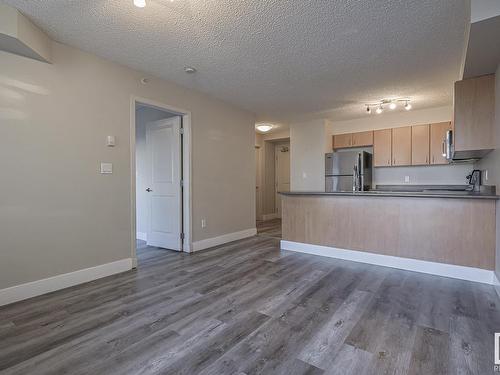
x=440, y=269
x=269, y=216
x=142, y=236
x=51, y=284
x=225, y=238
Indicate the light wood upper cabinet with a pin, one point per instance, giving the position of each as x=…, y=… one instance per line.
x=342, y=140
x=382, y=148
x=362, y=139
x=474, y=105
x=401, y=146
x=438, y=136
x=420, y=144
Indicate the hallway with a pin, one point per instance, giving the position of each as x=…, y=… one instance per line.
x=269, y=228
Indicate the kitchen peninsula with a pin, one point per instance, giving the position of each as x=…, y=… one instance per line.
x=447, y=234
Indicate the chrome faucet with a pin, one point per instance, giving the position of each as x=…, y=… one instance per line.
x=475, y=180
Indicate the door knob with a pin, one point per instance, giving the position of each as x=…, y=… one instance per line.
x=149, y=190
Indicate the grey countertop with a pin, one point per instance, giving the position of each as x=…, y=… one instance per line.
x=408, y=194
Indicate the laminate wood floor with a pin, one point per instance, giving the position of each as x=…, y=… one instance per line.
x=269, y=228
x=249, y=308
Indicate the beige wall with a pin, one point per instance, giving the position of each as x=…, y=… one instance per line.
x=308, y=145
x=393, y=120
x=57, y=213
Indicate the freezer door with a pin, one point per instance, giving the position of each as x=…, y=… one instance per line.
x=338, y=183
x=343, y=162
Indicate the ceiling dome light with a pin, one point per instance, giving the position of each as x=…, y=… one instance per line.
x=392, y=105
x=380, y=109
x=407, y=106
x=368, y=109
x=189, y=69
x=140, y=3
x=264, y=128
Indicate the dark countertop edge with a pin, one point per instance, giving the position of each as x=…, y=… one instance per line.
x=391, y=194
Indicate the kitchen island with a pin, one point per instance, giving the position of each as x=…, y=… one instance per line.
x=448, y=234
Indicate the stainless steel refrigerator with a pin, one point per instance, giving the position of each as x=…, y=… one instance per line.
x=348, y=171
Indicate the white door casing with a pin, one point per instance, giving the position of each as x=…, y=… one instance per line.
x=282, y=172
x=258, y=184
x=163, y=140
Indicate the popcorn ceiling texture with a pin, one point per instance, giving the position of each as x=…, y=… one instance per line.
x=277, y=58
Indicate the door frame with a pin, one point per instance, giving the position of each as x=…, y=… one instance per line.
x=276, y=173
x=186, y=171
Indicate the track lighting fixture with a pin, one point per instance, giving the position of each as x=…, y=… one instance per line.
x=391, y=103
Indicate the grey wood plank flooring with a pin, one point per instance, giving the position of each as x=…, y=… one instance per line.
x=248, y=308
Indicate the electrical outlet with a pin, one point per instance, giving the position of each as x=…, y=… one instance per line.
x=203, y=223
x=407, y=179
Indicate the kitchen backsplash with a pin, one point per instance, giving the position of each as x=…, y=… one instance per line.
x=423, y=175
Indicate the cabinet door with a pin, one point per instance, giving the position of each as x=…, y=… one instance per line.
x=474, y=113
x=438, y=136
x=382, y=151
x=420, y=145
x=401, y=146
x=362, y=139
x=342, y=140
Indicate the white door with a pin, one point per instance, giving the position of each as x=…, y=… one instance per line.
x=282, y=172
x=163, y=144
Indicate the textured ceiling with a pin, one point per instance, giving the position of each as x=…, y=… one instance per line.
x=277, y=58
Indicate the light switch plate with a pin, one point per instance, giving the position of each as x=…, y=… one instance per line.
x=106, y=168
x=407, y=179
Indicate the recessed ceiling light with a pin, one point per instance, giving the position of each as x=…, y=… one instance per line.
x=189, y=69
x=140, y=3
x=264, y=128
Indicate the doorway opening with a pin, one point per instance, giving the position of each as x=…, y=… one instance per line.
x=273, y=176
x=160, y=166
